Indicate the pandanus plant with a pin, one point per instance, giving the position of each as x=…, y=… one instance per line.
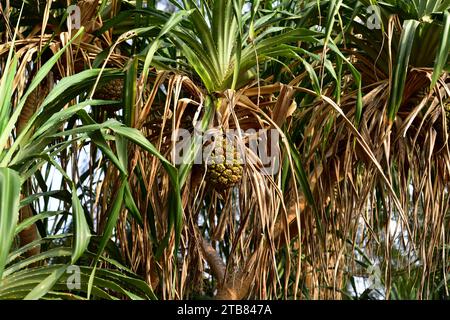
x=403, y=179
x=44, y=30
x=45, y=140
x=208, y=59
x=362, y=147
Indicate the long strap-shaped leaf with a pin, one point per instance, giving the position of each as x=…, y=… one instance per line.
x=444, y=48
x=171, y=23
x=113, y=216
x=40, y=75
x=9, y=211
x=82, y=233
x=81, y=240
x=6, y=80
x=401, y=67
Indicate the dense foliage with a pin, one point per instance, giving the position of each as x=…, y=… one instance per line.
x=353, y=98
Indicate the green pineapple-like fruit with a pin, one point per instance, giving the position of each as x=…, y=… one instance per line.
x=224, y=165
x=111, y=90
